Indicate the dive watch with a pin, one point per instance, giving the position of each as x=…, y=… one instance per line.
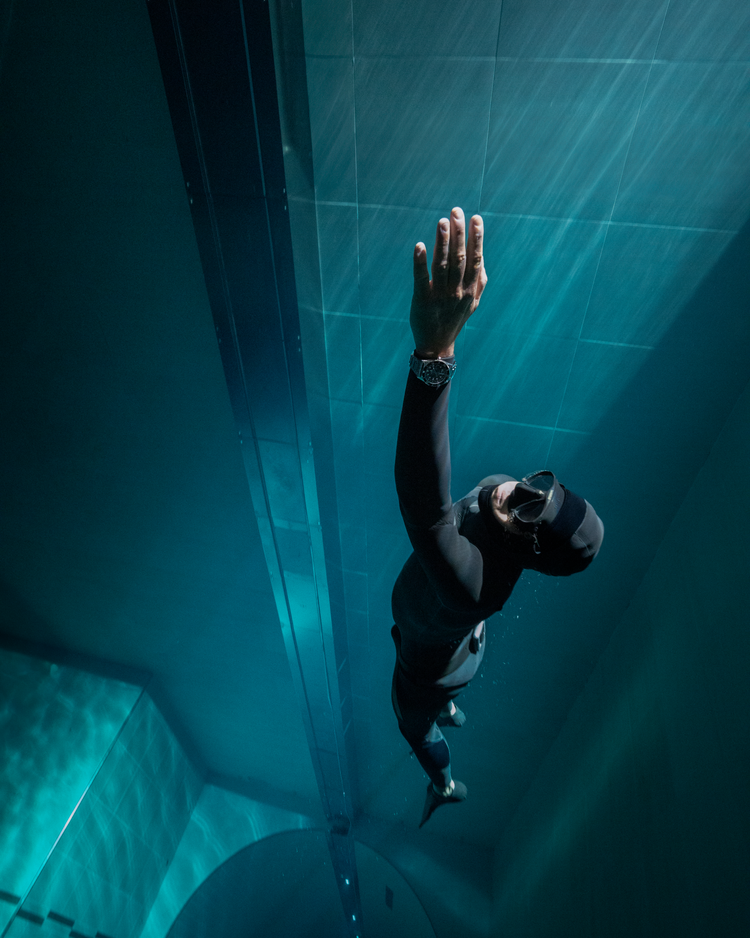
x=435, y=372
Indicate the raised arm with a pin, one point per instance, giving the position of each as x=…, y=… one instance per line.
x=439, y=310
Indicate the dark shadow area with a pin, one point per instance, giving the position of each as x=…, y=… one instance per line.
x=55, y=654
x=280, y=887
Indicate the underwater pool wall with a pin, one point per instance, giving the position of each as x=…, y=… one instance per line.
x=223, y=824
x=638, y=822
x=95, y=795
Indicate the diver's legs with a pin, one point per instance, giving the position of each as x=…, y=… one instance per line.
x=418, y=708
x=433, y=755
x=421, y=708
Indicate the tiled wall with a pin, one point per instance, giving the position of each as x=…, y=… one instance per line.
x=56, y=726
x=638, y=823
x=107, y=866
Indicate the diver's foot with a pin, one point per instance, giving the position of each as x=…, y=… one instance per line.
x=451, y=716
x=453, y=794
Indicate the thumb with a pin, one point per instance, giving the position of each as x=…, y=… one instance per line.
x=421, y=273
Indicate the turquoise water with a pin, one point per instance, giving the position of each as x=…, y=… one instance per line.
x=94, y=798
x=56, y=726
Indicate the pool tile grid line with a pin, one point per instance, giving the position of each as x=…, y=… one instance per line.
x=516, y=59
x=519, y=216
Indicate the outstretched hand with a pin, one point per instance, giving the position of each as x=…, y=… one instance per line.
x=441, y=306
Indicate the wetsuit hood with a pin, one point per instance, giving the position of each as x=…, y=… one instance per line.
x=561, y=546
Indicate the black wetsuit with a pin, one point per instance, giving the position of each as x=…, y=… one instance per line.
x=461, y=572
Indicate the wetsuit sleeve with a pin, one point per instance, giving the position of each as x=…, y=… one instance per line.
x=423, y=481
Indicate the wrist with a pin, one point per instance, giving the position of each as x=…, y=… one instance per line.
x=431, y=353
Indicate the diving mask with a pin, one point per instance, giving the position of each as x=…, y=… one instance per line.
x=535, y=499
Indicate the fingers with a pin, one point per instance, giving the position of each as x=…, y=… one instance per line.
x=440, y=256
x=457, y=261
x=421, y=274
x=475, y=258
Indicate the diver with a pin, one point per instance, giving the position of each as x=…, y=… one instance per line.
x=468, y=555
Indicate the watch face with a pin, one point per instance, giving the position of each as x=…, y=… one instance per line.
x=435, y=373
